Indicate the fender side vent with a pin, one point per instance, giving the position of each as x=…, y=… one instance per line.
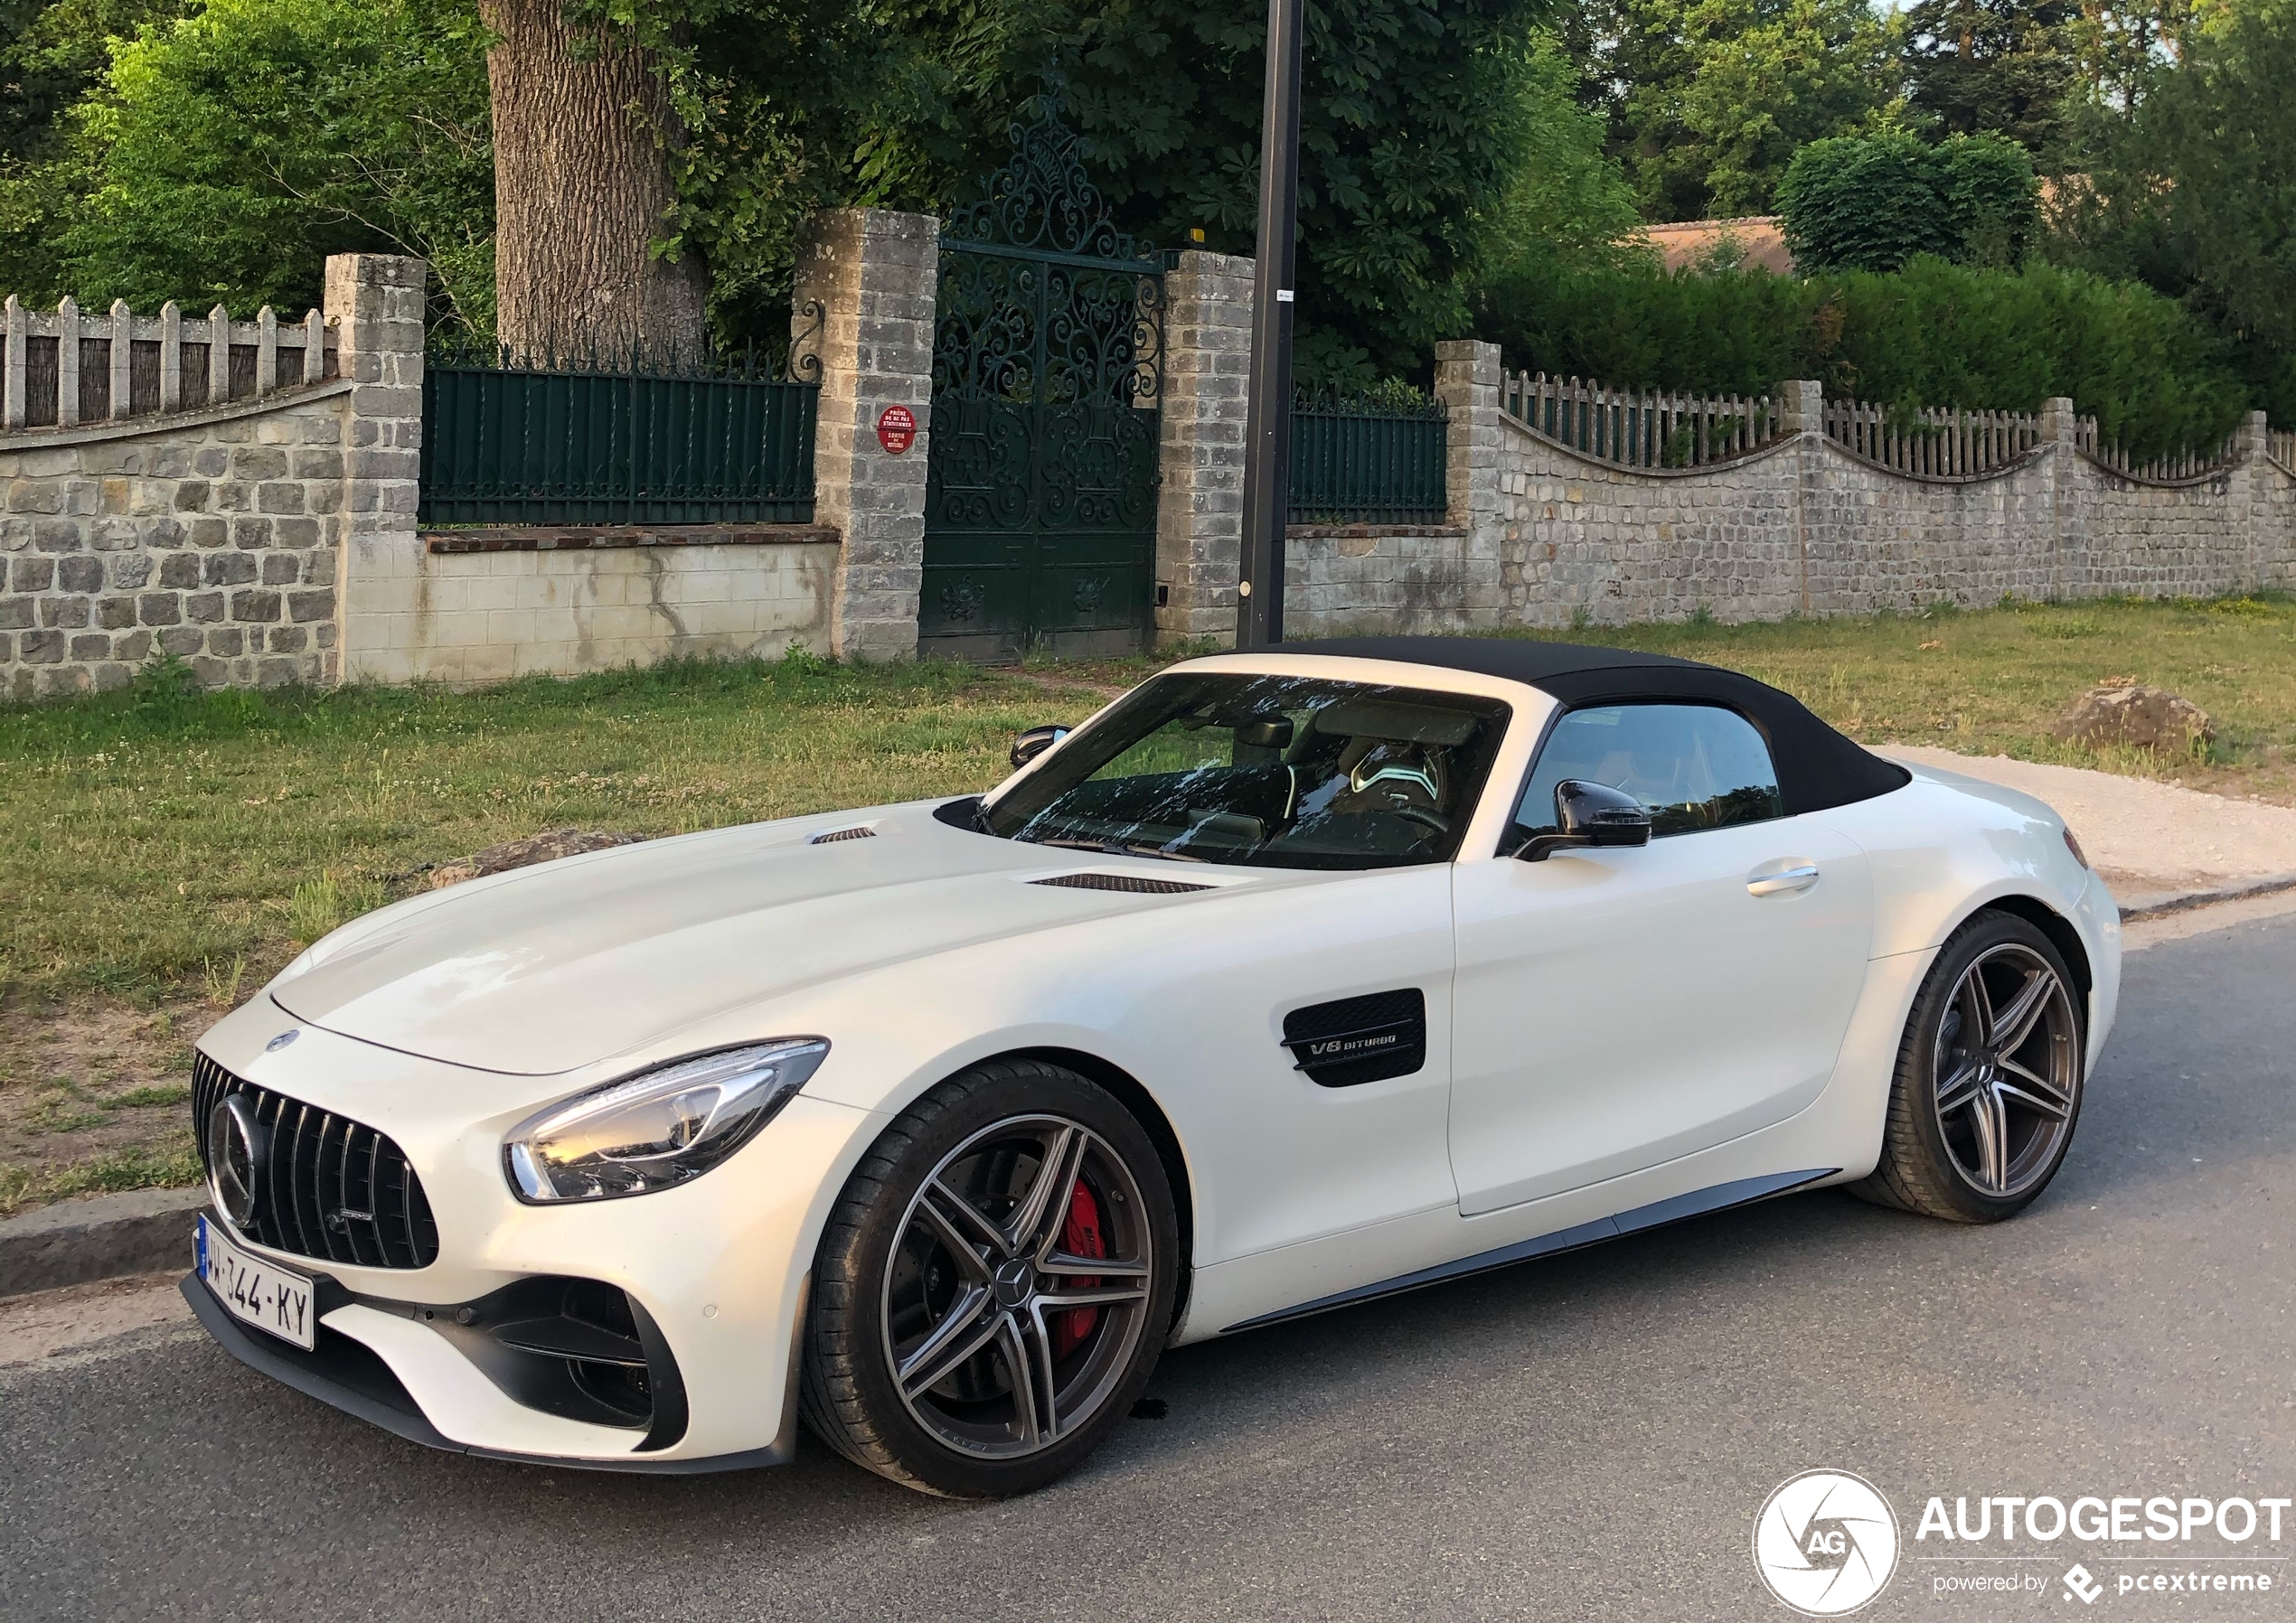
x=834, y=835
x=1356, y=1040
x=1131, y=884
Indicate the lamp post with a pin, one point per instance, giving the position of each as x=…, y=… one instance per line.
x=1267, y=449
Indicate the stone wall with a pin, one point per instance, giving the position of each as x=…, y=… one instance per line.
x=210, y=536
x=274, y=539
x=1544, y=537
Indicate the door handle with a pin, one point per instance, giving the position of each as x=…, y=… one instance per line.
x=1782, y=881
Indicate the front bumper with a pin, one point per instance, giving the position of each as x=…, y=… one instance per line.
x=349, y=1374
x=715, y=1269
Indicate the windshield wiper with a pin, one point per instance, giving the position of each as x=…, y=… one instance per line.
x=1110, y=847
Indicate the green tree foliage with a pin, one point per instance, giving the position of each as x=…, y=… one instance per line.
x=225, y=154
x=1931, y=335
x=1567, y=203
x=2003, y=66
x=1413, y=123
x=1873, y=203
x=1415, y=116
x=2192, y=188
x=53, y=54
x=2121, y=46
x=1708, y=100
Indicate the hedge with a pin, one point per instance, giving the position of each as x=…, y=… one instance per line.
x=2156, y=378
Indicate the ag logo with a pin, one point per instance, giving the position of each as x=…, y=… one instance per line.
x=1826, y=1543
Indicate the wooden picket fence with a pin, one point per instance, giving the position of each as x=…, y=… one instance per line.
x=1936, y=443
x=2281, y=449
x=2180, y=468
x=1639, y=428
x=64, y=368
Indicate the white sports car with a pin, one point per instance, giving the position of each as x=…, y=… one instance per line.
x=1288, y=981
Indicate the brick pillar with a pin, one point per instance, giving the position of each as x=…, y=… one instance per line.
x=374, y=305
x=874, y=273
x=1199, y=504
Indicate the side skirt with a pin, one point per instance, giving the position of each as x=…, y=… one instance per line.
x=1697, y=1204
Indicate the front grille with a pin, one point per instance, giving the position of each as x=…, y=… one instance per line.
x=1131, y=883
x=330, y=1187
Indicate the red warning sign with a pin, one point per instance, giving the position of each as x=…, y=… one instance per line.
x=897, y=428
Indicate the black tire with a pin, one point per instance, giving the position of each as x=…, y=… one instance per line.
x=1938, y=1157
x=888, y=1281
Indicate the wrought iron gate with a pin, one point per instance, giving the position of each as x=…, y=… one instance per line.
x=1041, y=500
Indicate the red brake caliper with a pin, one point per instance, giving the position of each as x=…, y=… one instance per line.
x=1080, y=1237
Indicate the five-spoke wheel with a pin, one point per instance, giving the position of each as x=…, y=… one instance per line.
x=2007, y=1064
x=1989, y=1079
x=1018, y=1287
x=995, y=1285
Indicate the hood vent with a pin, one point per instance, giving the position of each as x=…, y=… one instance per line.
x=834, y=835
x=1131, y=884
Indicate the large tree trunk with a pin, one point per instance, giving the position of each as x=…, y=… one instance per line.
x=581, y=185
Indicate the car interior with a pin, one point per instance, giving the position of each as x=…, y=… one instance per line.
x=1276, y=770
x=1692, y=765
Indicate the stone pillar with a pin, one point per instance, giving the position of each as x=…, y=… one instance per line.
x=374, y=306
x=1467, y=378
x=1802, y=406
x=874, y=273
x=2251, y=446
x=1801, y=416
x=1200, y=501
x=2060, y=432
x=1466, y=381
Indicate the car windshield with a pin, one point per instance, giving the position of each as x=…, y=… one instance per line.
x=1286, y=771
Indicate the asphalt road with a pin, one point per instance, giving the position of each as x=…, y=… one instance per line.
x=1589, y=1437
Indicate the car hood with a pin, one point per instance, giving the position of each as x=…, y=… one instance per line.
x=570, y=962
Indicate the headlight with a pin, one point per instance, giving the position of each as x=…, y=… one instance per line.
x=658, y=1129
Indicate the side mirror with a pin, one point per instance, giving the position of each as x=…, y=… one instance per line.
x=1589, y=814
x=1033, y=743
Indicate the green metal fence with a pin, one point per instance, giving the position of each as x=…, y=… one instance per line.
x=1375, y=458
x=720, y=442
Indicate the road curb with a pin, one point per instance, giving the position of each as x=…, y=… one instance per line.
x=2157, y=907
x=98, y=1237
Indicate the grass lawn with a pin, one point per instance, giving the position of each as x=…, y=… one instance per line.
x=160, y=858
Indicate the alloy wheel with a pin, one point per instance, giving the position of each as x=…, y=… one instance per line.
x=1017, y=1288
x=2007, y=1071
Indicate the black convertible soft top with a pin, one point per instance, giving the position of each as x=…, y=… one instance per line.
x=1817, y=766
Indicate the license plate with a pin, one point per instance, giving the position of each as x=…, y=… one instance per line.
x=254, y=1289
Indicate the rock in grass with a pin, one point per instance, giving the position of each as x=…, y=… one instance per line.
x=546, y=847
x=2136, y=715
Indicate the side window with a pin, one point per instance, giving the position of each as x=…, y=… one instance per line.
x=1694, y=766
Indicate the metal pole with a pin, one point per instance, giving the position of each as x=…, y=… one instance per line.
x=1267, y=449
